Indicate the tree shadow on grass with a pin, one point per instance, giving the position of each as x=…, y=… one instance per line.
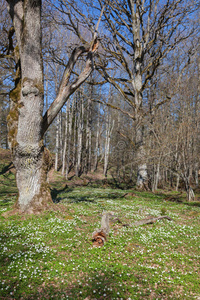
x=5, y=169
x=55, y=193
x=111, y=183
x=90, y=197
x=195, y=203
x=5, y=202
x=97, y=285
x=57, y=196
x=77, y=199
x=179, y=199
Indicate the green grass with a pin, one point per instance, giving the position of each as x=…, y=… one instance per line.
x=51, y=256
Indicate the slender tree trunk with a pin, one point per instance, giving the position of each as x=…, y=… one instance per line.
x=198, y=118
x=46, y=96
x=65, y=138
x=75, y=134
x=197, y=121
x=88, y=135
x=57, y=127
x=131, y=173
x=197, y=174
x=60, y=136
x=109, y=129
x=97, y=139
x=153, y=178
x=79, y=137
x=69, y=139
x=90, y=144
x=57, y=143
x=177, y=181
x=157, y=175
x=0, y=123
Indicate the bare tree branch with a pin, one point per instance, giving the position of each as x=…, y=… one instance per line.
x=66, y=88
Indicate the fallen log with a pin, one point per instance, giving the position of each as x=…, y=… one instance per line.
x=100, y=236
x=150, y=220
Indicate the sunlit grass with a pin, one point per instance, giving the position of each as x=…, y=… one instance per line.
x=51, y=256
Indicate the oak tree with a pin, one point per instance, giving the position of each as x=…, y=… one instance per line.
x=26, y=122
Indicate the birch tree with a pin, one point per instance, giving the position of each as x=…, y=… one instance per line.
x=71, y=112
x=80, y=124
x=66, y=136
x=88, y=147
x=26, y=122
x=97, y=138
x=109, y=128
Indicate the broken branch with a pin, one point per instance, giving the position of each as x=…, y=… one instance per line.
x=150, y=220
x=66, y=88
x=100, y=236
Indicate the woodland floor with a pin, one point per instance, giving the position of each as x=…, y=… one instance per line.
x=51, y=256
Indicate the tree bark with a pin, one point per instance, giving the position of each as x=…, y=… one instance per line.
x=65, y=138
x=109, y=128
x=177, y=181
x=30, y=158
x=79, y=136
x=97, y=139
x=189, y=190
x=142, y=180
x=88, y=133
x=0, y=122
x=25, y=122
x=150, y=220
x=100, y=236
x=69, y=139
x=75, y=136
x=57, y=143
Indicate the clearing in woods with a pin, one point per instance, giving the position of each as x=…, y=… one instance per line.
x=51, y=256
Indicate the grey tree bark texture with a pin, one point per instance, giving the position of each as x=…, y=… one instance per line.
x=26, y=124
x=25, y=118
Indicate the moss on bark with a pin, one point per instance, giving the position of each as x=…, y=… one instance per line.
x=13, y=116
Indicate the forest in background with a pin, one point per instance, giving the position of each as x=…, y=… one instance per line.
x=133, y=123
x=138, y=114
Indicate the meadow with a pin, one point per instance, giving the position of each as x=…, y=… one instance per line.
x=51, y=256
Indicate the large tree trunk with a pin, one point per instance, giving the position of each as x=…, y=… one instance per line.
x=137, y=86
x=25, y=117
x=26, y=124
